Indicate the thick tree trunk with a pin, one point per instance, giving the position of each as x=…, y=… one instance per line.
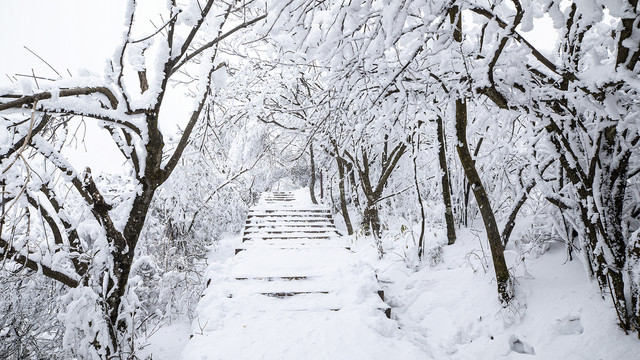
x=614, y=165
x=505, y=290
x=321, y=185
x=633, y=271
x=371, y=220
x=124, y=251
x=600, y=190
x=444, y=181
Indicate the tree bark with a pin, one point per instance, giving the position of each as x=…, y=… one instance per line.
x=371, y=220
x=343, y=196
x=444, y=181
x=371, y=217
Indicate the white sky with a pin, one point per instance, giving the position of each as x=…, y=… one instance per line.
x=77, y=35
x=69, y=34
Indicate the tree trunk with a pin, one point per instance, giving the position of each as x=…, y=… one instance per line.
x=505, y=290
x=321, y=185
x=371, y=220
x=633, y=270
x=614, y=165
x=444, y=181
x=343, y=197
x=312, y=182
x=415, y=147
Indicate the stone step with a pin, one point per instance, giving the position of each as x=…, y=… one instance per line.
x=309, y=285
x=292, y=224
x=292, y=246
x=290, y=215
x=293, y=258
x=283, y=237
x=272, y=262
x=286, y=217
x=277, y=278
x=289, y=235
x=311, y=301
x=290, y=230
x=262, y=243
x=288, y=211
x=276, y=219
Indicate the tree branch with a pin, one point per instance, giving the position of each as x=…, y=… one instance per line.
x=511, y=220
x=75, y=245
x=23, y=100
x=194, y=31
x=396, y=154
x=36, y=129
x=541, y=58
x=14, y=255
x=215, y=41
x=173, y=18
x=184, y=139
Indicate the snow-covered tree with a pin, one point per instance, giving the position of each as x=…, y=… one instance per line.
x=82, y=229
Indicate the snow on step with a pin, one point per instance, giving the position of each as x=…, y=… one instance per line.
x=286, y=262
x=254, y=244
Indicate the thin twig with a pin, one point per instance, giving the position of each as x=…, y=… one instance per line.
x=33, y=75
x=157, y=31
x=43, y=60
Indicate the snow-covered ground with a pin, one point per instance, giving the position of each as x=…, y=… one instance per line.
x=446, y=308
x=451, y=309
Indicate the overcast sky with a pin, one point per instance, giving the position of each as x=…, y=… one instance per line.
x=69, y=34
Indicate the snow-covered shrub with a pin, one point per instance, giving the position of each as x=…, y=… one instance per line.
x=433, y=255
x=29, y=327
x=534, y=240
x=85, y=325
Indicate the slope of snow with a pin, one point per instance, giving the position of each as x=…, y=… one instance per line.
x=453, y=311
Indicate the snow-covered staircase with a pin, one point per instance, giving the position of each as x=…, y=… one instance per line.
x=279, y=221
x=293, y=273
x=294, y=247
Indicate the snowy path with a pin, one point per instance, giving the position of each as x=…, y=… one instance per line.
x=294, y=290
